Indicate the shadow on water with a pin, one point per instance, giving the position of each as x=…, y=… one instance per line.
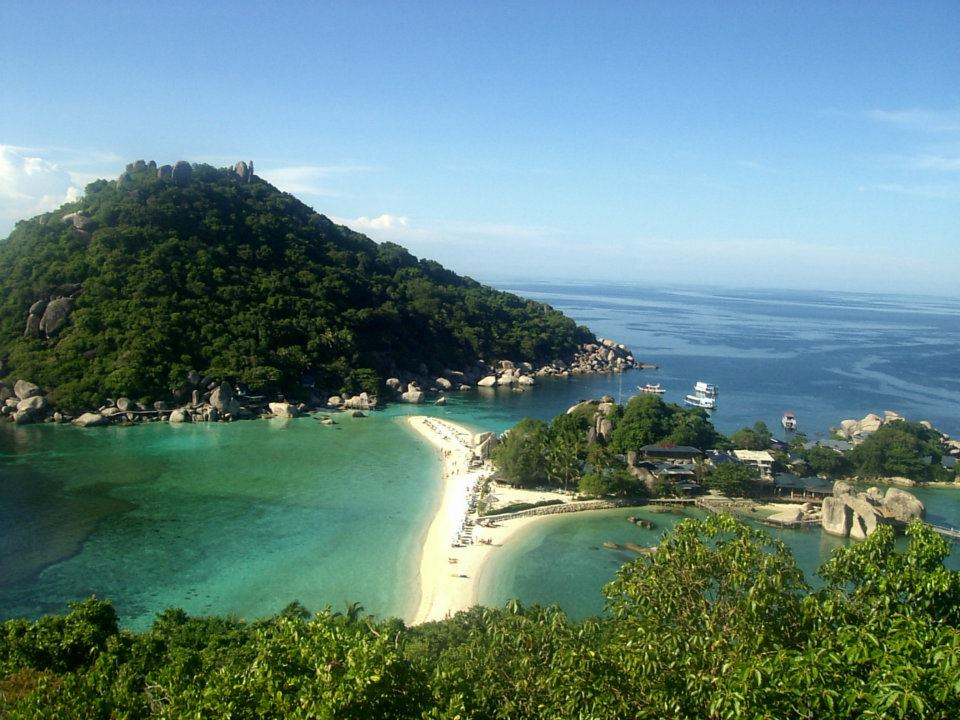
x=45, y=523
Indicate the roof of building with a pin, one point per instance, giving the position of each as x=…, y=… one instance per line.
x=671, y=450
x=757, y=456
x=810, y=484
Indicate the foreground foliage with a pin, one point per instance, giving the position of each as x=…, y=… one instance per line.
x=719, y=623
x=242, y=282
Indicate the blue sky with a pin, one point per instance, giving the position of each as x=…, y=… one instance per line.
x=765, y=144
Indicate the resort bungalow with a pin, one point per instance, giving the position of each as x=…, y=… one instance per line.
x=805, y=488
x=670, y=453
x=759, y=460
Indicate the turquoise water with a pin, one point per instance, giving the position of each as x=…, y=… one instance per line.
x=825, y=356
x=246, y=517
x=215, y=518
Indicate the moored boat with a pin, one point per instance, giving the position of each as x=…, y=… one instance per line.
x=701, y=401
x=789, y=421
x=652, y=388
x=704, y=396
x=706, y=389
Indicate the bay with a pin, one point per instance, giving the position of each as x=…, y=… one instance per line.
x=246, y=517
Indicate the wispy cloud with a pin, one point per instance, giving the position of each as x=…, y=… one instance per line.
x=424, y=233
x=309, y=179
x=389, y=223
x=922, y=119
x=941, y=191
x=944, y=163
x=30, y=185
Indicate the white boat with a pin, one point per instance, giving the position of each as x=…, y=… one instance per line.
x=701, y=401
x=789, y=421
x=706, y=389
x=704, y=396
x=653, y=388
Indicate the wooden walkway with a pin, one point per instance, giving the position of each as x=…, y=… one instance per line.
x=948, y=532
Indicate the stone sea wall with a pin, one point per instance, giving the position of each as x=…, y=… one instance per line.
x=570, y=507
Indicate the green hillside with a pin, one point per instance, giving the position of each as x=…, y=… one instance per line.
x=217, y=271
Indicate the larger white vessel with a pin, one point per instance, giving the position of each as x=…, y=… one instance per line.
x=704, y=396
x=705, y=389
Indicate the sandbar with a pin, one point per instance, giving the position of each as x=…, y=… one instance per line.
x=448, y=574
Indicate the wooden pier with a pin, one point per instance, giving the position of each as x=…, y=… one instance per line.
x=947, y=532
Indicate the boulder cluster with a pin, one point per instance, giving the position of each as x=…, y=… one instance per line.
x=48, y=314
x=24, y=403
x=607, y=356
x=601, y=427
x=803, y=513
x=858, y=429
x=199, y=400
x=857, y=514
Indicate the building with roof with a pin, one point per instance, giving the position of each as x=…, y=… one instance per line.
x=670, y=453
x=759, y=460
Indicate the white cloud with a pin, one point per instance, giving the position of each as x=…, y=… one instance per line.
x=309, y=179
x=937, y=162
x=30, y=185
x=424, y=235
x=381, y=222
x=941, y=191
x=925, y=120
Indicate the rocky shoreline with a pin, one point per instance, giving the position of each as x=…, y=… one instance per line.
x=204, y=399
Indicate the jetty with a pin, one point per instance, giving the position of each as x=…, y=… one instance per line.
x=946, y=531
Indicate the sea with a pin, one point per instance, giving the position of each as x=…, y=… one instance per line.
x=243, y=518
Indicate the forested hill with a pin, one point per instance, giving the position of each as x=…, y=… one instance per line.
x=167, y=270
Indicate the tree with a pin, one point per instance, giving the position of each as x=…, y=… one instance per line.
x=692, y=427
x=714, y=596
x=646, y=420
x=732, y=479
x=827, y=462
x=521, y=455
x=897, y=449
x=566, y=447
x=756, y=438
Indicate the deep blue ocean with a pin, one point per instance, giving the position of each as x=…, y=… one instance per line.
x=246, y=517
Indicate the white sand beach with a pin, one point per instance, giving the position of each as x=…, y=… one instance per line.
x=448, y=574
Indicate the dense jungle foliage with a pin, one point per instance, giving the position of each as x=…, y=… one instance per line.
x=719, y=623
x=241, y=281
x=567, y=452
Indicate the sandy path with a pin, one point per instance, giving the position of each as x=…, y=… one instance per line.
x=447, y=587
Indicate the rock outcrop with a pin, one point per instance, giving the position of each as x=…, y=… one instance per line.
x=858, y=429
x=857, y=515
x=244, y=171
x=413, y=395
x=55, y=315
x=182, y=173
x=901, y=505
x=24, y=389
x=223, y=401
x=836, y=517
x=363, y=401
x=283, y=409
x=89, y=419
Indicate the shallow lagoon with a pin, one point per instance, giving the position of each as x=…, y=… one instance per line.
x=247, y=517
